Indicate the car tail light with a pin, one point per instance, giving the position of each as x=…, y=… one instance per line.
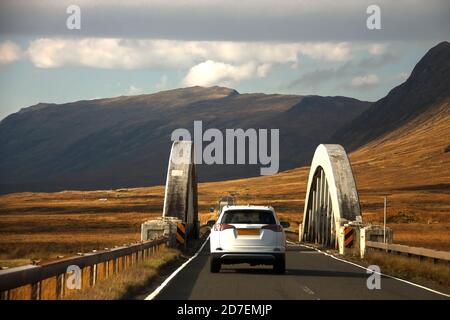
x=222, y=226
x=273, y=227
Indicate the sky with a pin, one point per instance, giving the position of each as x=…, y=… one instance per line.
x=136, y=46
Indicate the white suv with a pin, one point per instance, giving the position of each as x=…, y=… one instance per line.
x=248, y=234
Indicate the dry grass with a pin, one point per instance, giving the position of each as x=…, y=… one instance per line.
x=435, y=236
x=408, y=165
x=436, y=276
x=127, y=284
x=44, y=225
x=11, y=263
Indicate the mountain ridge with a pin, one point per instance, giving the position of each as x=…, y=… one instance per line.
x=428, y=84
x=125, y=141
x=79, y=146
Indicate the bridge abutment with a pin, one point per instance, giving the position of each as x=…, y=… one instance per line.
x=179, y=219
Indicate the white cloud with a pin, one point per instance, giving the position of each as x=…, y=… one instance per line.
x=162, y=83
x=113, y=53
x=327, y=51
x=206, y=62
x=377, y=48
x=263, y=70
x=402, y=76
x=364, y=81
x=133, y=90
x=294, y=65
x=218, y=73
x=9, y=52
x=98, y=53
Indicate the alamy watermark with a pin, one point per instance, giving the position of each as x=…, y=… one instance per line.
x=73, y=280
x=73, y=21
x=374, y=280
x=239, y=145
x=373, y=21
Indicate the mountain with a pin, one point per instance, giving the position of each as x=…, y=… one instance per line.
x=401, y=151
x=408, y=164
x=427, y=87
x=125, y=141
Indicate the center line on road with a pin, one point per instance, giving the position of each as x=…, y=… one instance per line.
x=152, y=295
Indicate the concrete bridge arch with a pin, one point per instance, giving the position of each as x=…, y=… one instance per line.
x=331, y=198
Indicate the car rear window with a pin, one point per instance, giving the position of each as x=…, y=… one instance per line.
x=248, y=217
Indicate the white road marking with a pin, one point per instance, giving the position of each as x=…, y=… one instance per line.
x=362, y=267
x=307, y=290
x=310, y=252
x=152, y=295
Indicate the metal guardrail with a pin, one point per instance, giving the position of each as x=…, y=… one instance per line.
x=421, y=253
x=48, y=281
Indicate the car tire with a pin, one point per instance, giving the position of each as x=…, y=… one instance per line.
x=215, y=265
x=280, y=266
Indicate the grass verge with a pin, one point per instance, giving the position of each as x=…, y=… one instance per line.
x=11, y=263
x=129, y=283
x=434, y=276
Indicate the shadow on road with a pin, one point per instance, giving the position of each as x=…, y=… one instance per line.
x=325, y=273
x=299, y=249
x=292, y=272
x=233, y=270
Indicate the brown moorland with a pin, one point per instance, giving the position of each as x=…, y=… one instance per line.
x=407, y=165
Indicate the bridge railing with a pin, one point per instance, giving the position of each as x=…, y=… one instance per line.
x=421, y=253
x=50, y=280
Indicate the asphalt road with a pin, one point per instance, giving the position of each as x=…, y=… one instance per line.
x=309, y=275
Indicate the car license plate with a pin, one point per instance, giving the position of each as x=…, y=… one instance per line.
x=248, y=232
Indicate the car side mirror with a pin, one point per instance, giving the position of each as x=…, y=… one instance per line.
x=210, y=223
x=211, y=209
x=285, y=224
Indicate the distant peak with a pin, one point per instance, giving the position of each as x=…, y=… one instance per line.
x=39, y=106
x=215, y=89
x=438, y=56
x=441, y=45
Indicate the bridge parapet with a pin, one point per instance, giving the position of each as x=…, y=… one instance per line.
x=50, y=281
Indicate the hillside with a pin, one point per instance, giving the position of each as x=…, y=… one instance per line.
x=427, y=87
x=125, y=141
x=408, y=165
